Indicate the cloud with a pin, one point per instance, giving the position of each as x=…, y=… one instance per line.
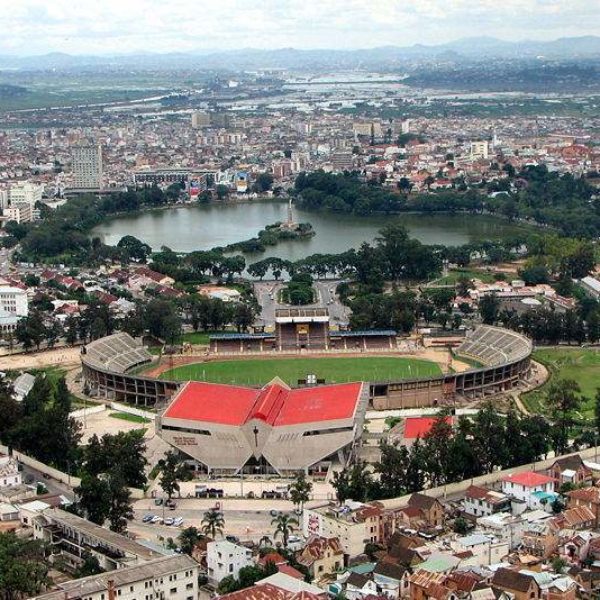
x=120, y=26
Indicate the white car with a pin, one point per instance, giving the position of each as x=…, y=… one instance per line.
x=156, y=519
x=178, y=522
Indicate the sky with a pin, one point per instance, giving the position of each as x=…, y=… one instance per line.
x=126, y=26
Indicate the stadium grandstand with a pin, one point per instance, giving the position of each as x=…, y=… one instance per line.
x=105, y=366
x=503, y=359
x=494, y=346
x=273, y=430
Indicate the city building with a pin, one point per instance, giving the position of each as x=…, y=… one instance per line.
x=9, y=472
x=76, y=538
x=25, y=193
x=21, y=212
x=173, y=577
x=480, y=149
x=527, y=487
x=353, y=523
x=200, y=120
x=87, y=166
x=481, y=502
x=276, y=429
x=224, y=558
x=14, y=301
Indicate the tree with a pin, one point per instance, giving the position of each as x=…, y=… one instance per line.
x=352, y=483
x=213, y=522
x=392, y=468
x=597, y=410
x=23, y=569
x=300, y=489
x=90, y=566
x=120, y=511
x=461, y=526
x=284, y=525
x=172, y=470
x=125, y=450
x=563, y=399
x=188, y=539
x=134, y=248
x=93, y=497
x=489, y=307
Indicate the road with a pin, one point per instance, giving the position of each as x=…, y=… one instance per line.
x=267, y=292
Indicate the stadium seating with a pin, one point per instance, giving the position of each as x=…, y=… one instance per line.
x=117, y=353
x=494, y=346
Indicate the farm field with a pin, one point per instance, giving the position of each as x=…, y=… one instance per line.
x=580, y=364
x=290, y=370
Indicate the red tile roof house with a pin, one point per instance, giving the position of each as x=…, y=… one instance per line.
x=523, y=486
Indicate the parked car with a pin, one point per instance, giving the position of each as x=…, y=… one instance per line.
x=178, y=522
x=147, y=518
x=170, y=504
x=158, y=501
x=233, y=539
x=169, y=521
x=156, y=519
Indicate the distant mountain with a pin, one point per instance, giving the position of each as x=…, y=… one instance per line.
x=476, y=48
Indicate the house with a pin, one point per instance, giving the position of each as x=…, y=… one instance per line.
x=481, y=502
x=569, y=469
x=588, y=497
x=359, y=586
x=9, y=472
x=292, y=585
x=281, y=563
x=522, y=586
x=391, y=578
x=224, y=558
x=485, y=549
x=432, y=508
x=523, y=486
x=425, y=585
x=321, y=556
x=577, y=518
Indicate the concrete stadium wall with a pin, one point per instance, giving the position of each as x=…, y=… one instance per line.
x=86, y=412
x=55, y=474
x=131, y=410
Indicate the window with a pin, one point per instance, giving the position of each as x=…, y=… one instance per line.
x=189, y=586
x=230, y=568
x=173, y=590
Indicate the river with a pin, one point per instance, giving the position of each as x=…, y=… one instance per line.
x=205, y=226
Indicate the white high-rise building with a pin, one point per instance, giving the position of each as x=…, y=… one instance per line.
x=14, y=300
x=480, y=149
x=25, y=193
x=87, y=166
x=3, y=199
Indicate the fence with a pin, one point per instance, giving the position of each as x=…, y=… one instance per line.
x=486, y=480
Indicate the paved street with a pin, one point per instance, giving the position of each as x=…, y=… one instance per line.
x=267, y=293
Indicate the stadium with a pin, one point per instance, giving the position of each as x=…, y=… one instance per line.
x=230, y=428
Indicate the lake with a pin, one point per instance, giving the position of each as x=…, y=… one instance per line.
x=205, y=226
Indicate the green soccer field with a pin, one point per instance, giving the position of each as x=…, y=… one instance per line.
x=333, y=370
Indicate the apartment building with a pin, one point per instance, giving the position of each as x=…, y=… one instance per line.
x=170, y=577
x=87, y=166
x=224, y=558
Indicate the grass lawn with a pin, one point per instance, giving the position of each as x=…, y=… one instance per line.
x=128, y=417
x=455, y=275
x=199, y=338
x=580, y=364
x=333, y=370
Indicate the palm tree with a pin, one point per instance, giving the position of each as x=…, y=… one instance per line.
x=265, y=541
x=213, y=523
x=284, y=525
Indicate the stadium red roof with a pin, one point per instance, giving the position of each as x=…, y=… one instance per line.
x=415, y=427
x=275, y=404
